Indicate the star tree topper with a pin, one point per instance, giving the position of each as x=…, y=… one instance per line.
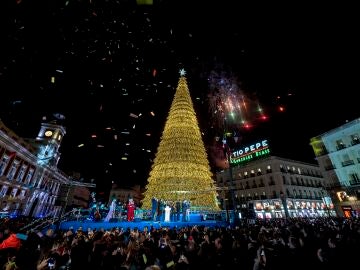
x=182, y=72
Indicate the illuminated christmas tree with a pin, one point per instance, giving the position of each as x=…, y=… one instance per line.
x=181, y=169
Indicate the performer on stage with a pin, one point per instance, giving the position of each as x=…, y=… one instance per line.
x=92, y=203
x=130, y=209
x=167, y=213
x=183, y=207
x=97, y=215
x=154, y=208
x=187, y=211
x=161, y=214
x=173, y=211
x=178, y=210
x=111, y=213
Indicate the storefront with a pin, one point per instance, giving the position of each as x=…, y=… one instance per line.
x=266, y=209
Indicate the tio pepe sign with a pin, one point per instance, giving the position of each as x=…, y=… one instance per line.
x=250, y=152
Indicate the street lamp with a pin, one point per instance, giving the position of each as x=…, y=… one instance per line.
x=284, y=203
x=232, y=187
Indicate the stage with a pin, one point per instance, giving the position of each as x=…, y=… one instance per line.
x=195, y=219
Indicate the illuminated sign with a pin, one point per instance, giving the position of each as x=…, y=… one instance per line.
x=250, y=152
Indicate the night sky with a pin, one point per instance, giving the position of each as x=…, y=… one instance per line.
x=111, y=69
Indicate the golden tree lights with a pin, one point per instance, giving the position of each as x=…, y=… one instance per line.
x=181, y=169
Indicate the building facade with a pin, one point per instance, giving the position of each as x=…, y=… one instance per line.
x=122, y=195
x=30, y=182
x=274, y=187
x=338, y=154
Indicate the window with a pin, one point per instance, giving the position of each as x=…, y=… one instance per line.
x=13, y=192
x=3, y=164
x=12, y=170
x=271, y=182
x=22, y=193
x=29, y=176
x=340, y=145
x=268, y=169
x=355, y=139
x=282, y=169
x=354, y=176
x=292, y=180
x=21, y=173
x=254, y=184
x=3, y=191
x=347, y=160
x=261, y=183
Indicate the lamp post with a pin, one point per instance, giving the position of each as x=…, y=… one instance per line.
x=232, y=193
x=284, y=203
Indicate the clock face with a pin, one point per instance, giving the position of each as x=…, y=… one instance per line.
x=48, y=133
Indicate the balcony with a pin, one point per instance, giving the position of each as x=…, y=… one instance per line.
x=347, y=163
x=340, y=146
x=355, y=142
x=354, y=182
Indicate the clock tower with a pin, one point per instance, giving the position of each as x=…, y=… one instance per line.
x=49, y=140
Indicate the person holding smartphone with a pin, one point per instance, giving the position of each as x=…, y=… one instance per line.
x=43, y=264
x=51, y=263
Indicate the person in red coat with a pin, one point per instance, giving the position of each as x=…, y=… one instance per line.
x=11, y=242
x=9, y=247
x=130, y=210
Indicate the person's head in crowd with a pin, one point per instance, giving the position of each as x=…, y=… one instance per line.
x=10, y=228
x=153, y=267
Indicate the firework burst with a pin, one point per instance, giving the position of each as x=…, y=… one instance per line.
x=230, y=109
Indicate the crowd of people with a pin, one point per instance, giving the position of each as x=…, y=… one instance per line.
x=298, y=243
